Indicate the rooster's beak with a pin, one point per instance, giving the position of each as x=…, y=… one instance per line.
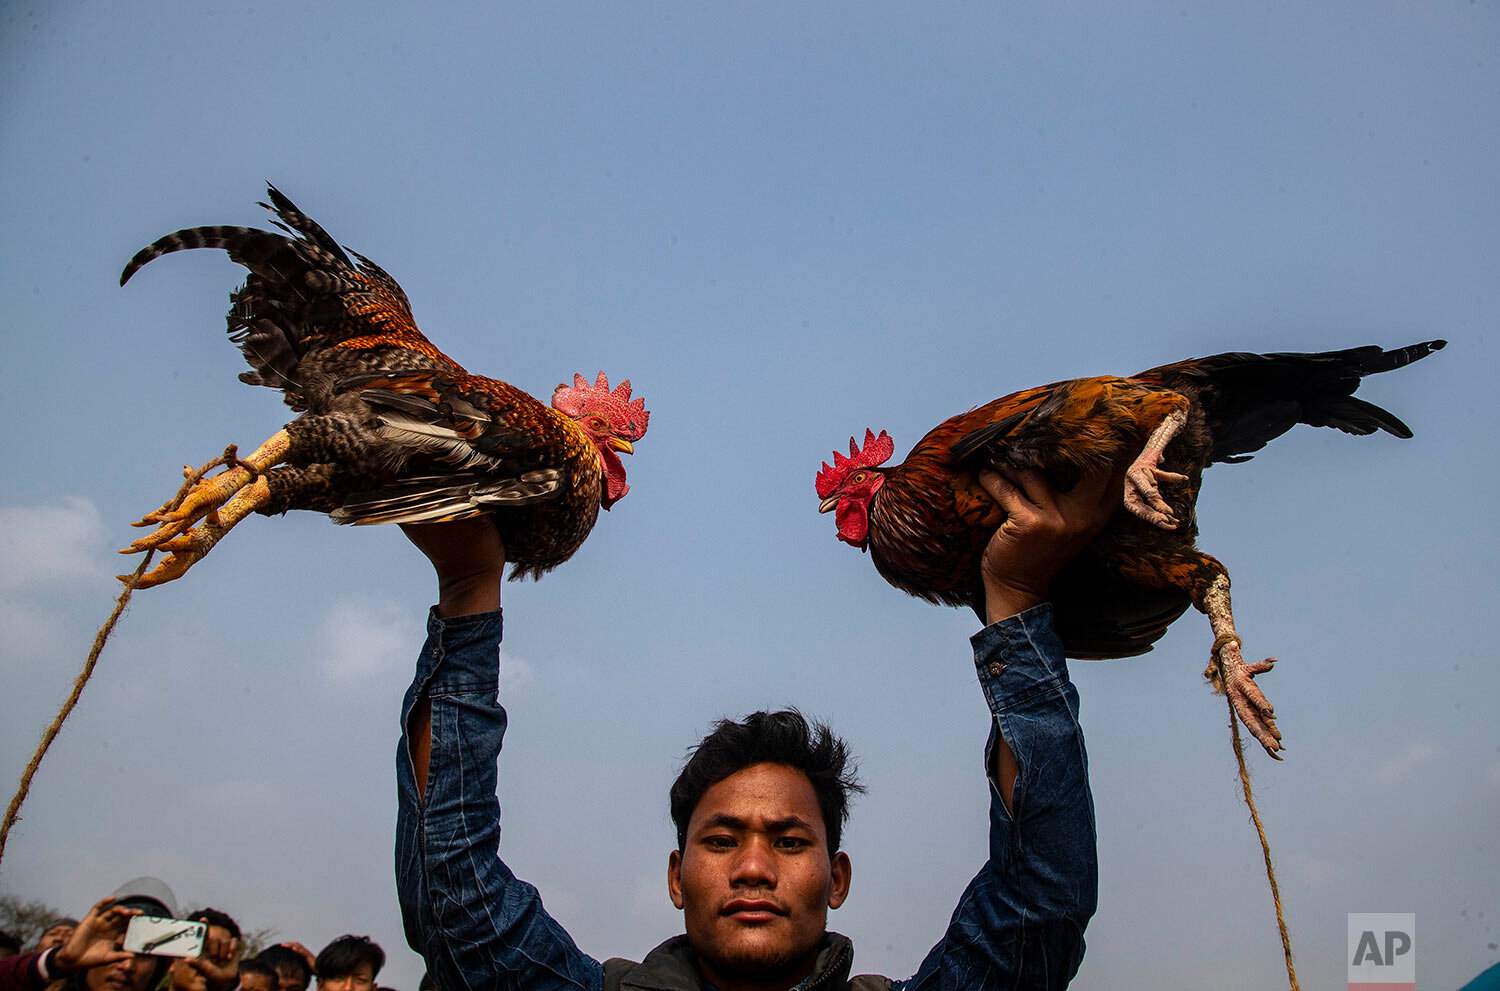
x=829, y=505
x=621, y=444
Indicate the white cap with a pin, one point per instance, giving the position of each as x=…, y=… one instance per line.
x=149, y=894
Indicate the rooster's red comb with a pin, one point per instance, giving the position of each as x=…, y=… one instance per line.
x=876, y=451
x=628, y=418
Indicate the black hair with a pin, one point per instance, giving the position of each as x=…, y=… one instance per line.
x=340, y=957
x=214, y=917
x=784, y=737
x=9, y=942
x=426, y=983
x=258, y=965
x=285, y=960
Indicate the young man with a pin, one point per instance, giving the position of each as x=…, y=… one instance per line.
x=257, y=975
x=758, y=866
x=196, y=973
x=293, y=964
x=349, y=963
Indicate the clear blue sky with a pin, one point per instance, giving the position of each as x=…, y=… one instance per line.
x=785, y=223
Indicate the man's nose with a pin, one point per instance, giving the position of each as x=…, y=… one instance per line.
x=755, y=866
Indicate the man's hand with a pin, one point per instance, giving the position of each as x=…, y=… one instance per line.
x=292, y=944
x=469, y=559
x=93, y=941
x=219, y=963
x=1042, y=531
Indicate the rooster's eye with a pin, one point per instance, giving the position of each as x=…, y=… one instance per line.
x=859, y=477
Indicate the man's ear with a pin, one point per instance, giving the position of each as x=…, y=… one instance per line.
x=842, y=871
x=674, y=878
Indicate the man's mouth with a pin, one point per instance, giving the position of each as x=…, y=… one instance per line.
x=752, y=910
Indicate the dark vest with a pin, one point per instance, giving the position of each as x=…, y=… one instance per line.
x=672, y=967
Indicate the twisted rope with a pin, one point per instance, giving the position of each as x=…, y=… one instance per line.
x=1260, y=830
x=13, y=812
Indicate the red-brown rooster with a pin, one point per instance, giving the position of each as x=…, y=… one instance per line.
x=926, y=521
x=392, y=430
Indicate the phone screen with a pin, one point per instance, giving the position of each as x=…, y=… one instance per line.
x=164, y=937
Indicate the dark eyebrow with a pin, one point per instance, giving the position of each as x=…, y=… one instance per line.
x=723, y=820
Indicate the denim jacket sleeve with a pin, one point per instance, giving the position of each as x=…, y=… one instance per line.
x=1020, y=922
x=477, y=925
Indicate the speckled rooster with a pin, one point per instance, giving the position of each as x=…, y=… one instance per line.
x=392, y=430
x=926, y=521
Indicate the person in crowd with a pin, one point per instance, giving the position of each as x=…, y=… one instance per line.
x=218, y=965
x=293, y=964
x=93, y=944
x=56, y=934
x=349, y=963
x=257, y=975
x=53, y=936
x=131, y=971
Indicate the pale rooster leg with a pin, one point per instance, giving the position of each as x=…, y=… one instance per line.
x=1229, y=673
x=188, y=547
x=209, y=494
x=1142, y=478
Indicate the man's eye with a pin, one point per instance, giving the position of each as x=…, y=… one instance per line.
x=719, y=842
x=792, y=843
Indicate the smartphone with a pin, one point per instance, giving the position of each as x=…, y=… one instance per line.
x=164, y=937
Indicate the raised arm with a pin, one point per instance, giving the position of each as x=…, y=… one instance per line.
x=477, y=925
x=1020, y=922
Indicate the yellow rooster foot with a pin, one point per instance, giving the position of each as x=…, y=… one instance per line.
x=202, y=501
x=190, y=545
x=186, y=549
x=1250, y=703
x=208, y=495
x=1143, y=492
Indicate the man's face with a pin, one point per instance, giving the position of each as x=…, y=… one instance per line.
x=55, y=936
x=188, y=978
x=361, y=978
x=756, y=879
x=290, y=980
x=251, y=981
x=131, y=974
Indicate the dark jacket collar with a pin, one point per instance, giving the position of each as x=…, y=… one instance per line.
x=673, y=966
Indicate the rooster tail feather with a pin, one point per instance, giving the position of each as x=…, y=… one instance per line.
x=1387, y=360
x=226, y=238
x=303, y=224
x=1353, y=416
x=1252, y=399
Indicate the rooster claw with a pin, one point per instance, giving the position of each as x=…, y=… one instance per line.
x=173, y=567
x=1143, y=494
x=1251, y=705
x=185, y=549
x=164, y=533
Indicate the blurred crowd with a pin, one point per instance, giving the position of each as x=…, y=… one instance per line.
x=118, y=946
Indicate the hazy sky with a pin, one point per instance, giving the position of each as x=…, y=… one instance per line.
x=785, y=223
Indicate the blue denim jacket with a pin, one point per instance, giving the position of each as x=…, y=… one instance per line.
x=1019, y=924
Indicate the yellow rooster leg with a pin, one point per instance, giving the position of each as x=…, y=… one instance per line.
x=1142, y=494
x=1229, y=672
x=188, y=547
x=209, y=494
